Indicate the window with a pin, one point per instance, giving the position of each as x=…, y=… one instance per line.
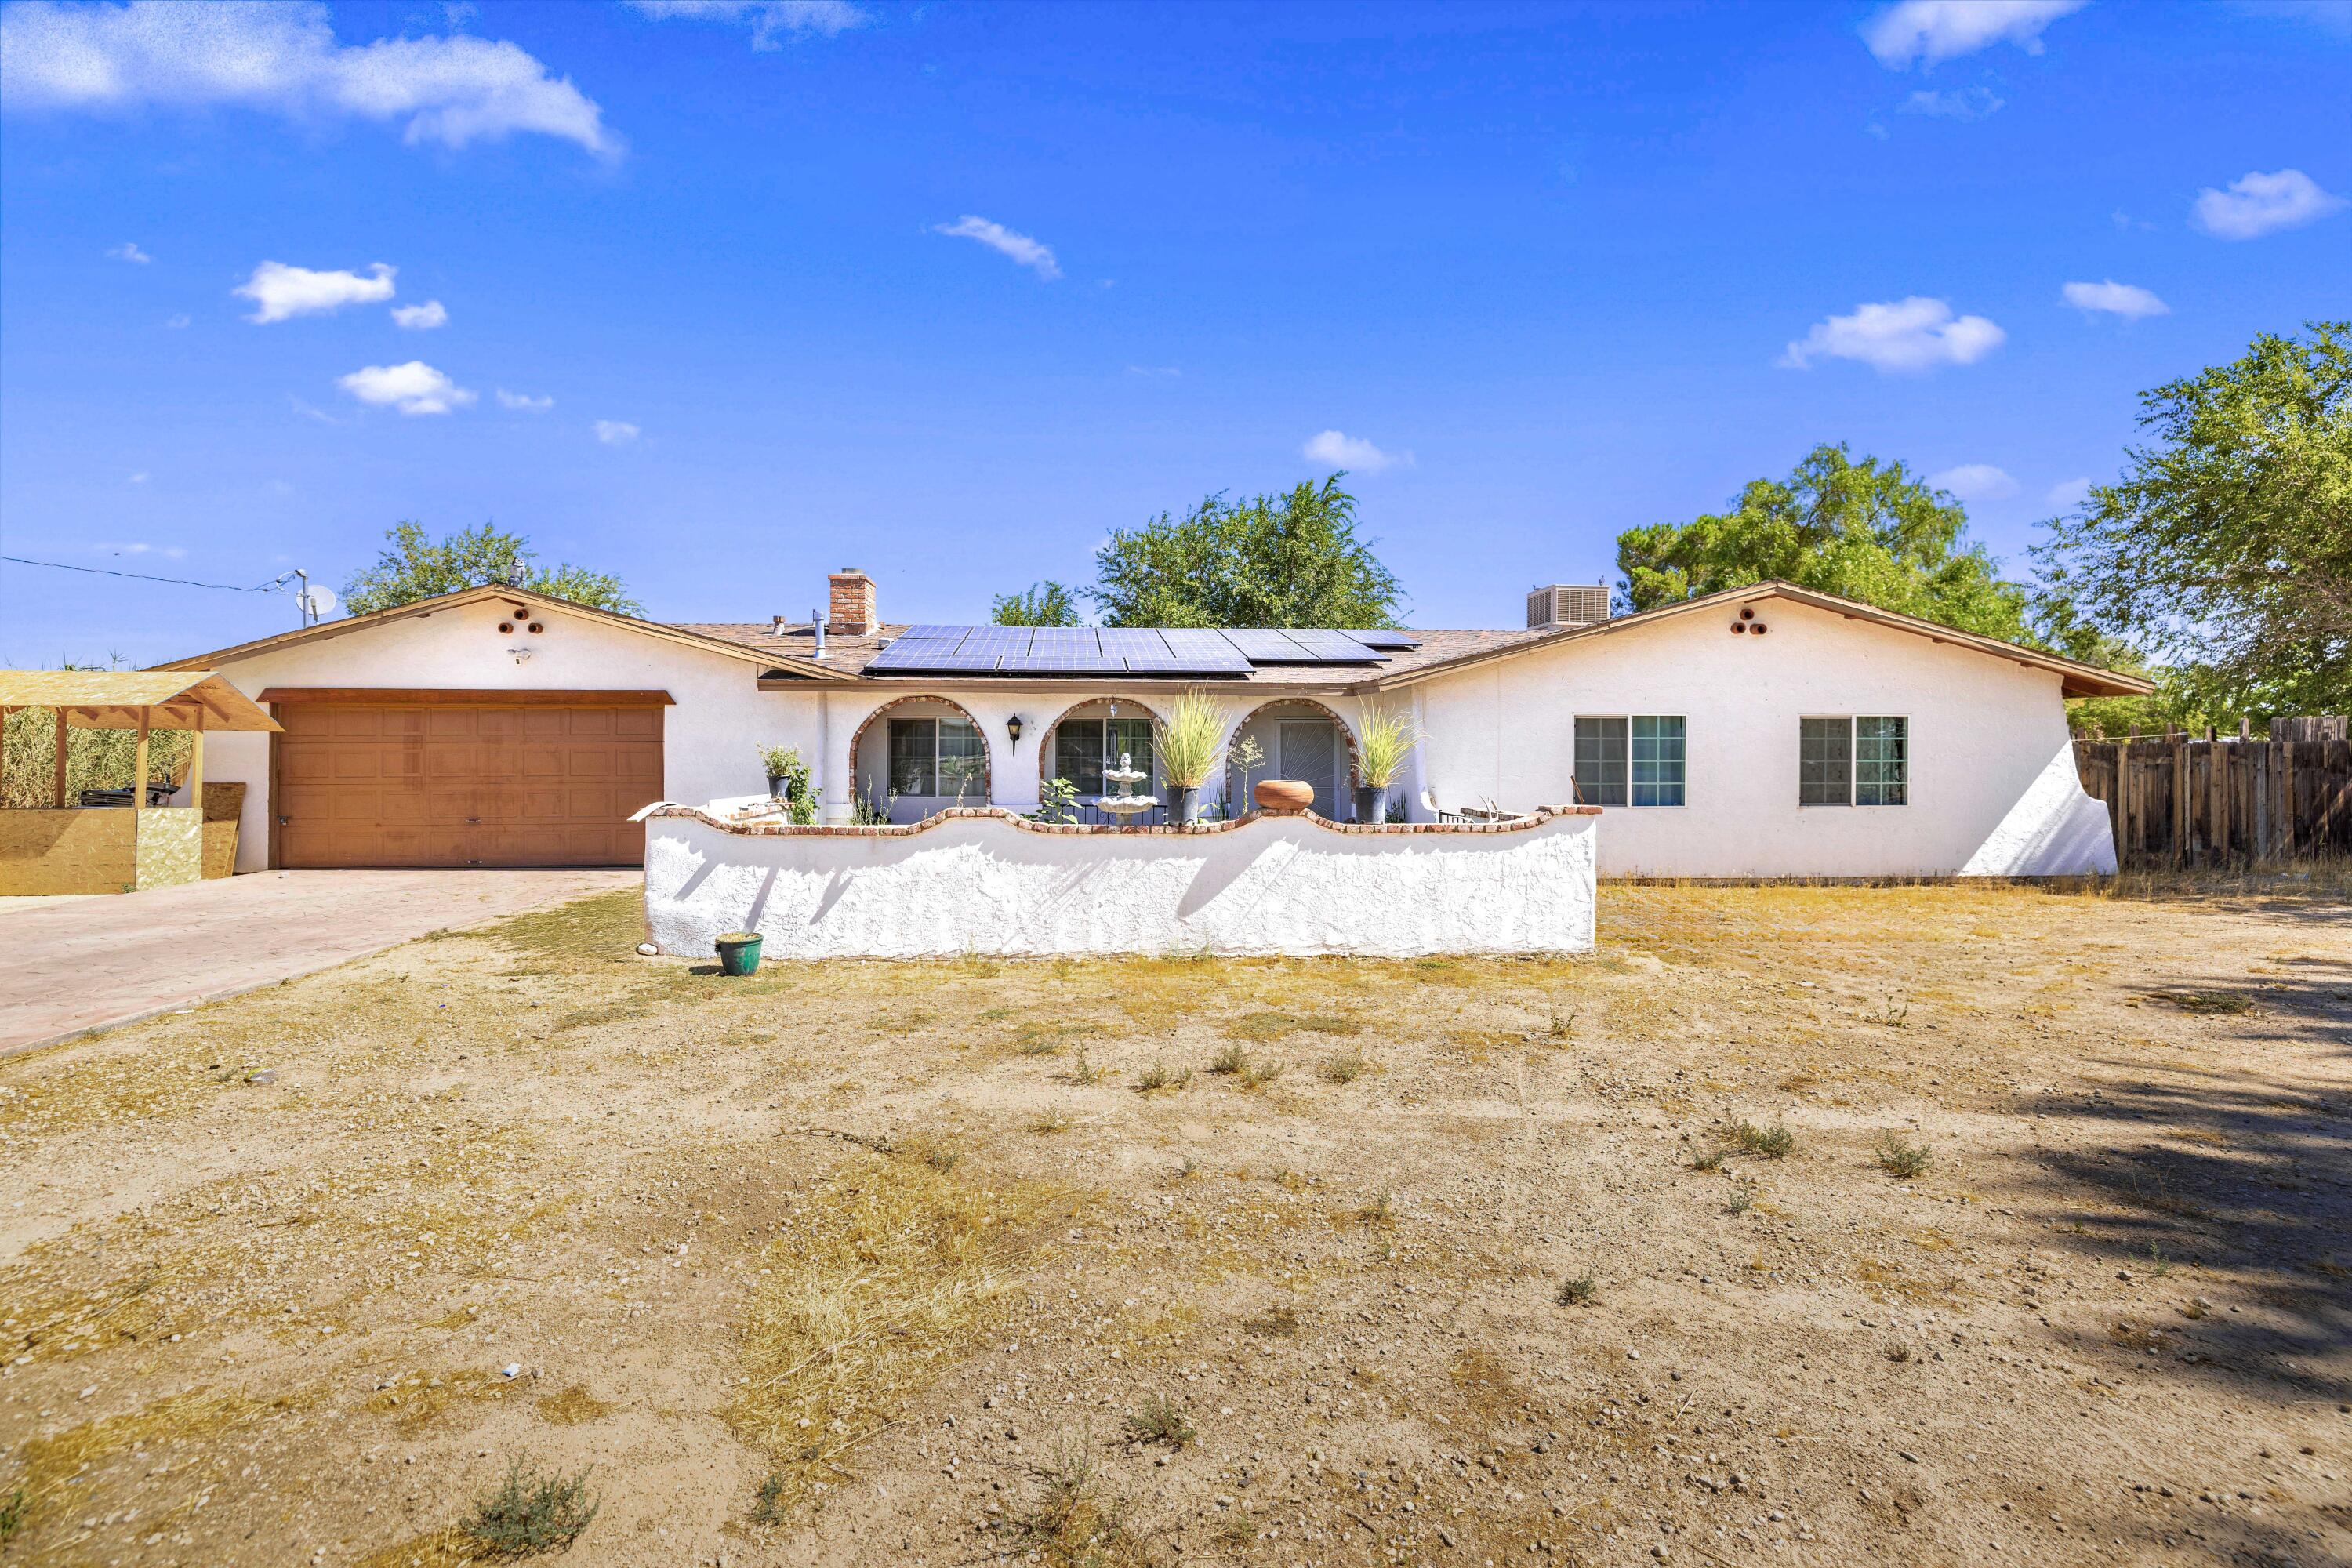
x=937, y=757
x=1634, y=761
x=1853, y=762
x=1083, y=748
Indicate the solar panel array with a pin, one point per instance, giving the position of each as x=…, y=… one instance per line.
x=1124, y=650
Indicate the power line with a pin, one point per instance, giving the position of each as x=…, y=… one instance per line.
x=269, y=587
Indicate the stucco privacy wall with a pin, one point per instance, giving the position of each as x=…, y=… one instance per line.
x=710, y=739
x=983, y=883
x=1992, y=786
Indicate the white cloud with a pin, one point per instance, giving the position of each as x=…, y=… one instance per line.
x=2068, y=494
x=1028, y=252
x=1909, y=335
x=1975, y=482
x=1925, y=31
x=130, y=251
x=169, y=551
x=177, y=322
x=1351, y=452
x=771, y=21
x=523, y=402
x=136, y=479
x=284, y=58
x=413, y=388
x=280, y=292
x=2261, y=203
x=420, y=318
x=1158, y=371
x=2126, y=299
x=1969, y=103
x=616, y=432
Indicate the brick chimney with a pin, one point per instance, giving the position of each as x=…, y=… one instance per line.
x=855, y=609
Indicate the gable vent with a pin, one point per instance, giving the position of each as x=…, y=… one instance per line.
x=1567, y=605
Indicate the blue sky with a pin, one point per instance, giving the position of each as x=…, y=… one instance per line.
x=730, y=295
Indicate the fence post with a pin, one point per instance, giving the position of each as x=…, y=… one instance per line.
x=2180, y=799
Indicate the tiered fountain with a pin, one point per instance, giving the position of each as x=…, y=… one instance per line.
x=1126, y=804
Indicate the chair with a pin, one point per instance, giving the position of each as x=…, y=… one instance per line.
x=1429, y=804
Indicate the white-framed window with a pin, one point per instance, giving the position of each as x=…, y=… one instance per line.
x=1858, y=760
x=937, y=757
x=1631, y=759
x=1085, y=748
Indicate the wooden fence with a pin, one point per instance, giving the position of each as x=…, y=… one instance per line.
x=2182, y=800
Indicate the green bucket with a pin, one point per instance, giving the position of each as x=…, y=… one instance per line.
x=739, y=953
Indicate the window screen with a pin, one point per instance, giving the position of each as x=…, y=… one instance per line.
x=1600, y=762
x=963, y=760
x=914, y=756
x=1824, y=762
x=1882, y=761
x=1657, y=760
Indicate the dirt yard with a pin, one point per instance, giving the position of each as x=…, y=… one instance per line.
x=1610, y=1260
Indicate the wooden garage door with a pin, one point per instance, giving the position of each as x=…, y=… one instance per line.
x=437, y=783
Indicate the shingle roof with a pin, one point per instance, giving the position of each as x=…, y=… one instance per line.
x=850, y=655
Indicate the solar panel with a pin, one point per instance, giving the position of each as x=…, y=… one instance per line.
x=998, y=639
x=932, y=633
x=1329, y=646
x=1261, y=644
x=1131, y=641
x=1064, y=640
x=892, y=660
x=1035, y=663
x=1386, y=637
x=1201, y=651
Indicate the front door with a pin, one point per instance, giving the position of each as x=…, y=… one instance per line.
x=1308, y=751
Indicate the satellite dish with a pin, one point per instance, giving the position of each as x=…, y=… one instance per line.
x=319, y=600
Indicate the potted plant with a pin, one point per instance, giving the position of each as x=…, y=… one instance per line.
x=788, y=776
x=1190, y=743
x=739, y=953
x=1383, y=741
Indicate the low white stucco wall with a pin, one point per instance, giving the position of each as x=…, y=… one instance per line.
x=986, y=881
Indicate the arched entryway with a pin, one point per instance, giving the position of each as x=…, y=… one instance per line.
x=917, y=754
x=1297, y=737
x=1088, y=737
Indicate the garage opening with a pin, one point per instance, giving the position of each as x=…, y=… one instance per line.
x=411, y=778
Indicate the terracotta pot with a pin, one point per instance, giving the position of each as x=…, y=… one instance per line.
x=1288, y=796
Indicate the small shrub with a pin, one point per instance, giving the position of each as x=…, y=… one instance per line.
x=1238, y=1531
x=1232, y=1060
x=2223, y=1003
x=1898, y=1352
x=12, y=1513
x=1051, y=1121
x=767, y=1506
x=1084, y=1071
x=1345, y=1068
x=1743, y=1196
x=1160, y=1420
x=1159, y=1075
x=1776, y=1142
x=941, y=1157
x=2158, y=1263
x=1898, y=1156
x=1259, y=1072
x=1893, y=1015
x=1708, y=1160
x=1038, y=1041
x=533, y=1513
x=1273, y=1324
x=1580, y=1289
x=1381, y=1210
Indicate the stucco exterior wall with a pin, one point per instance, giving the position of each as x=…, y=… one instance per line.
x=1993, y=786
x=983, y=883
x=709, y=738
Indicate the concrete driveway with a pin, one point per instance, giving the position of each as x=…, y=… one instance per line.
x=68, y=964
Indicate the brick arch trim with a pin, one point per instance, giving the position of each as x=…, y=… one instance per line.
x=1046, y=736
x=987, y=745
x=1347, y=731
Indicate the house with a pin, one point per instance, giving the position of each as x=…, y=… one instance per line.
x=1767, y=730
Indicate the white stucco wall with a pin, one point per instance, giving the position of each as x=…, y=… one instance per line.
x=709, y=738
x=982, y=883
x=1993, y=786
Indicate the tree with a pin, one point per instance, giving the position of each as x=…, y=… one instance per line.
x=1865, y=531
x=1289, y=560
x=416, y=567
x=2226, y=546
x=1047, y=604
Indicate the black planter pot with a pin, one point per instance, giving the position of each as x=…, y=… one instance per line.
x=1188, y=805
x=775, y=786
x=1371, y=803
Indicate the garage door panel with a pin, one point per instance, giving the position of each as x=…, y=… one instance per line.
x=458, y=784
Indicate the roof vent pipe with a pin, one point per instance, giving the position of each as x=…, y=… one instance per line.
x=816, y=622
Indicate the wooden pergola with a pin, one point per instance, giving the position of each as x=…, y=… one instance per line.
x=194, y=699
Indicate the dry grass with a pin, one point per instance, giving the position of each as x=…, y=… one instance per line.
x=888, y=1273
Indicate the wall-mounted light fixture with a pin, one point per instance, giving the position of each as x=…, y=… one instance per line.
x=1013, y=728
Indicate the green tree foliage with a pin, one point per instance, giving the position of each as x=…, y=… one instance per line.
x=417, y=566
x=2226, y=546
x=1866, y=531
x=1289, y=560
x=1047, y=604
